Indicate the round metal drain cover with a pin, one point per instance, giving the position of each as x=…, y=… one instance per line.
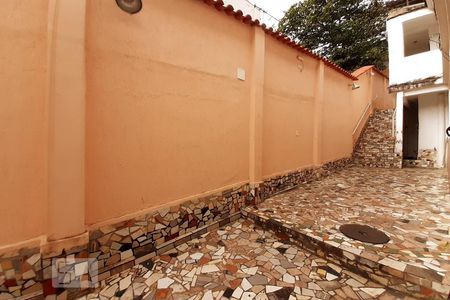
x=364, y=233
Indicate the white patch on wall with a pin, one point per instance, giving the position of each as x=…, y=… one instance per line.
x=241, y=74
x=432, y=124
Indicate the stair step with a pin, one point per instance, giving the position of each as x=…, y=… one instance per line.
x=376, y=146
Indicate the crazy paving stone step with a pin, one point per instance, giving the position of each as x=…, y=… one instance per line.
x=376, y=145
x=240, y=261
x=411, y=206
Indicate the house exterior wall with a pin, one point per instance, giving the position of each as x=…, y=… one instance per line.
x=431, y=66
x=419, y=66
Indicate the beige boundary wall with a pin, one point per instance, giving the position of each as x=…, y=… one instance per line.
x=371, y=95
x=109, y=117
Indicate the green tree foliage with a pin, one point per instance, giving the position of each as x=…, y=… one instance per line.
x=352, y=33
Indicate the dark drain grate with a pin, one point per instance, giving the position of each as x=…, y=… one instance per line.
x=364, y=233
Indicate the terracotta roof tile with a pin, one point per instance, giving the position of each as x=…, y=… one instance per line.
x=247, y=19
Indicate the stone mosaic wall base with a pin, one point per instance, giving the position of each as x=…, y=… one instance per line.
x=120, y=246
x=29, y=274
x=240, y=261
x=21, y=274
x=425, y=159
x=396, y=275
x=66, y=268
x=376, y=146
x=282, y=183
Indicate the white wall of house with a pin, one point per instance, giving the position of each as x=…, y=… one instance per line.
x=415, y=41
x=407, y=32
x=432, y=124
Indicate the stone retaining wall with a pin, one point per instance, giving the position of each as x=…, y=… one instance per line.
x=285, y=182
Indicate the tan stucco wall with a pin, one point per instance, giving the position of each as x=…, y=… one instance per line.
x=337, y=117
x=66, y=110
x=130, y=113
x=372, y=94
x=288, y=109
x=361, y=98
x=166, y=116
x=381, y=97
x=23, y=30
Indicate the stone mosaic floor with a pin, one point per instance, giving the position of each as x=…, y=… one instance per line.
x=412, y=206
x=239, y=261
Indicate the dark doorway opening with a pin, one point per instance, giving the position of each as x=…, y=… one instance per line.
x=411, y=129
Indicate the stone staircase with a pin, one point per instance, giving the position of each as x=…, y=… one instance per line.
x=376, y=146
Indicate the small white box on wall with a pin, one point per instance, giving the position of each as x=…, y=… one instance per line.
x=241, y=74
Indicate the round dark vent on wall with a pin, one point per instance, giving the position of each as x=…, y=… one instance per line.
x=130, y=6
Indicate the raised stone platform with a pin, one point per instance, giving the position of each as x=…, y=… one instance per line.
x=410, y=205
x=240, y=261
